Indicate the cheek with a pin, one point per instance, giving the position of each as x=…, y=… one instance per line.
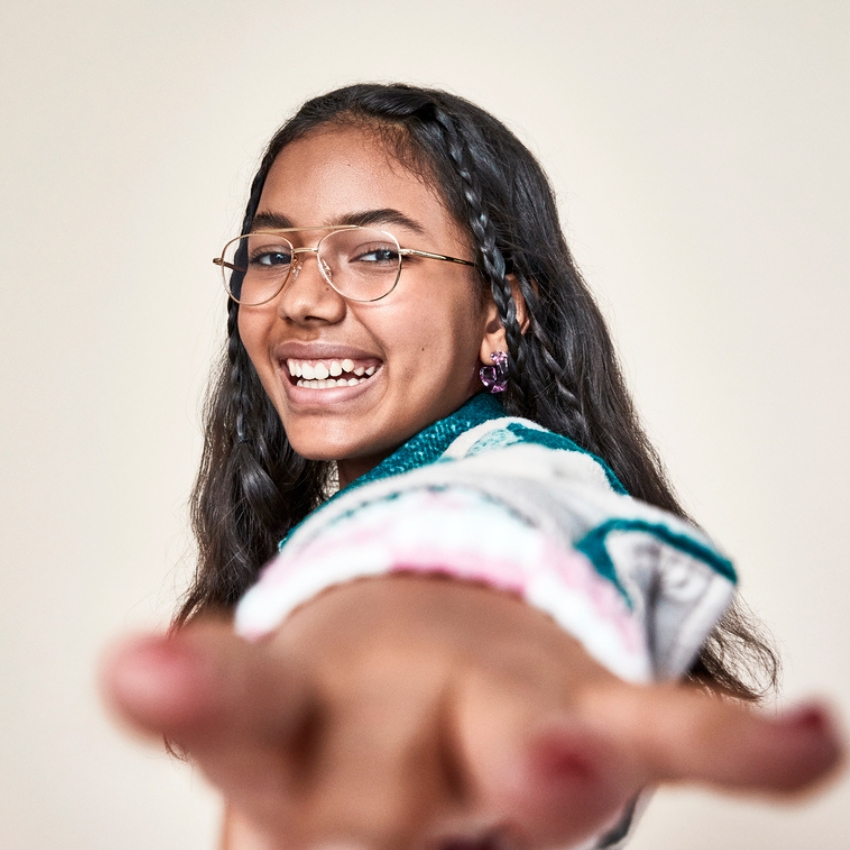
x=464, y=330
x=446, y=315
x=434, y=343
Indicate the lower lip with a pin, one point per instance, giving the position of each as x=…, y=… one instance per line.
x=307, y=397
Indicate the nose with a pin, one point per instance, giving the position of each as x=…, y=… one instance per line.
x=307, y=297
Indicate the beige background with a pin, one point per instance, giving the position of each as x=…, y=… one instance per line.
x=699, y=151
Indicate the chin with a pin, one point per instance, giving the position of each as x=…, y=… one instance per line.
x=314, y=452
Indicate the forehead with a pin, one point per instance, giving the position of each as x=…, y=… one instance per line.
x=337, y=172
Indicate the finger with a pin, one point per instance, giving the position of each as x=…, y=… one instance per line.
x=235, y=707
x=558, y=776
x=680, y=734
x=202, y=678
x=540, y=773
x=569, y=783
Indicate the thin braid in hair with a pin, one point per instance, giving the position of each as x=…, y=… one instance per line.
x=492, y=260
x=543, y=358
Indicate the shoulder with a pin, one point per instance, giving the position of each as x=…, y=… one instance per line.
x=533, y=448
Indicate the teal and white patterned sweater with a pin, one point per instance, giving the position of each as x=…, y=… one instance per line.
x=483, y=497
x=499, y=500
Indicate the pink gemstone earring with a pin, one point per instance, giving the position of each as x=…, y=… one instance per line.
x=495, y=377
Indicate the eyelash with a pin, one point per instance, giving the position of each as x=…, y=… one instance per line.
x=258, y=258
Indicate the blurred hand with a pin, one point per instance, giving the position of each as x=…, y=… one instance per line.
x=415, y=712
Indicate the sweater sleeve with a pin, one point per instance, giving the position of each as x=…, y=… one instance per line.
x=639, y=588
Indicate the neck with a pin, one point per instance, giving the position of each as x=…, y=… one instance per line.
x=427, y=445
x=351, y=468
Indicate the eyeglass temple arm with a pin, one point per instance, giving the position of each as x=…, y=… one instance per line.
x=407, y=252
x=224, y=264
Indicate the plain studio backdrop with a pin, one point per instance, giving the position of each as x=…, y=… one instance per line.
x=699, y=153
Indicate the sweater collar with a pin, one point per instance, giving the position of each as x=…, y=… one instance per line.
x=429, y=445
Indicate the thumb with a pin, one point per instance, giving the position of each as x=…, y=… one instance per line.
x=204, y=687
x=235, y=708
x=684, y=735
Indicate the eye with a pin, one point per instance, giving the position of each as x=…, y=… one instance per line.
x=379, y=253
x=267, y=257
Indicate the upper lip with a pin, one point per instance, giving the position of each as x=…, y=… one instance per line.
x=320, y=351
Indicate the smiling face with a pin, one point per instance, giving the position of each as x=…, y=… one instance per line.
x=353, y=381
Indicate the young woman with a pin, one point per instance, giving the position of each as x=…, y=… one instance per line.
x=482, y=569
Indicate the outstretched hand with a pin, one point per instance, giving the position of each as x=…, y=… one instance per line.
x=410, y=712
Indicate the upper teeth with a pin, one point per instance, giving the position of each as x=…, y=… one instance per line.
x=323, y=369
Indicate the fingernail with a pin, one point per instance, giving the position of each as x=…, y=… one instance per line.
x=806, y=719
x=562, y=754
x=144, y=671
x=161, y=658
x=564, y=761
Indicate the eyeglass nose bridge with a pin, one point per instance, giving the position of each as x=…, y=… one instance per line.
x=324, y=271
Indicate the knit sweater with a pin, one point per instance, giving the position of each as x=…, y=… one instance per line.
x=487, y=498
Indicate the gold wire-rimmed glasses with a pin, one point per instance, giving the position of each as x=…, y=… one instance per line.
x=361, y=263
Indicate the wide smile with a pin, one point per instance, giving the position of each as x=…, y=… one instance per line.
x=329, y=373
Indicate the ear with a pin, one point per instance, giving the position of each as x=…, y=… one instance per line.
x=494, y=333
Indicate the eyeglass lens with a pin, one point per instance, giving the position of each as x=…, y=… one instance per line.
x=362, y=264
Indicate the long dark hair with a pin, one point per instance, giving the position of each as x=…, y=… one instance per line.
x=252, y=487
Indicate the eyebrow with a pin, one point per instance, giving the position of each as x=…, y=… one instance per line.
x=364, y=218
